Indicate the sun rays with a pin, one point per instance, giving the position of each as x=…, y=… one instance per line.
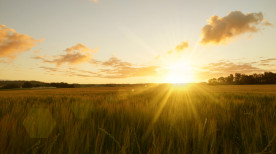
x=169, y=94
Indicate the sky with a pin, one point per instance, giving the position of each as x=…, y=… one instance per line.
x=135, y=41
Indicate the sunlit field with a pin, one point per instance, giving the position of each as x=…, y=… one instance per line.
x=192, y=119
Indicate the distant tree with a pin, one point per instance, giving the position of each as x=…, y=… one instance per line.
x=257, y=78
x=237, y=78
x=212, y=81
x=62, y=85
x=230, y=79
x=27, y=85
x=11, y=86
x=221, y=80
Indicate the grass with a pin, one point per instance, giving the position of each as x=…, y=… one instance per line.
x=190, y=119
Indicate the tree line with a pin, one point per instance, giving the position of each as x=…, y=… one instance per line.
x=239, y=79
x=33, y=84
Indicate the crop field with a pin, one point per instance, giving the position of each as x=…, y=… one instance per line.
x=192, y=119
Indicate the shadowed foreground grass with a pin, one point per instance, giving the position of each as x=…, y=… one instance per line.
x=137, y=119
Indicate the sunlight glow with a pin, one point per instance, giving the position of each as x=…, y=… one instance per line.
x=180, y=72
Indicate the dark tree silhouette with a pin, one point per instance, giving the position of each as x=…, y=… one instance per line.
x=62, y=85
x=27, y=85
x=266, y=78
x=31, y=84
x=10, y=86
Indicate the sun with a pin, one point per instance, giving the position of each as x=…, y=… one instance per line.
x=180, y=72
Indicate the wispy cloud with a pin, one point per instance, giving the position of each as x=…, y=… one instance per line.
x=179, y=48
x=230, y=67
x=126, y=72
x=74, y=55
x=13, y=43
x=116, y=68
x=182, y=46
x=49, y=69
x=176, y=51
x=112, y=68
x=268, y=60
x=37, y=51
x=221, y=29
x=115, y=62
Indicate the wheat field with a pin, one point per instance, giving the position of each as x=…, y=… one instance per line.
x=192, y=119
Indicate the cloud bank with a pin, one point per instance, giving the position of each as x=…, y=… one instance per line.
x=13, y=43
x=222, y=29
